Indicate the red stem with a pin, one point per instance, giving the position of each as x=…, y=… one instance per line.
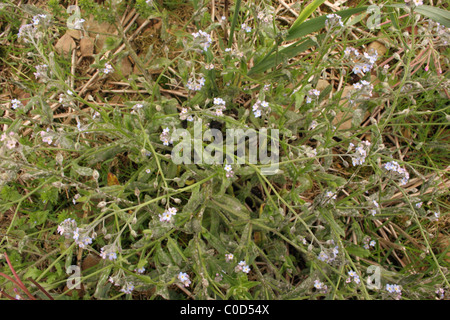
x=7, y=295
x=41, y=288
x=22, y=286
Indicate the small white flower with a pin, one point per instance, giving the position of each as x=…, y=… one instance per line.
x=313, y=125
x=107, y=69
x=184, y=278
x=140, y=270
x=322, y=256
x=127, y=288
x=15, y=103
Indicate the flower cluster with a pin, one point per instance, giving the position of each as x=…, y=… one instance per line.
x=184, y=114
x=229, y=257
x=414, y=2
x=194, y=84
x=167, y=215
x=434, y=215
x=229, y=171
x=46, y=137
x=320, y=286
x=140, y=270
x=109, y=252
x=69, y=229
x=203, y=39
x=29, y=32
x=442, y=33
x=243, y=266
x=65, y=98
x=246, y=28
x=136, y=107
x=394, y=290
x=313, y=125
x=257, y=107
x=312, y=94
x=81, y=237
x=219, y=105
x=310, y=152
x=41, y=72
x=441, y=293
x=107, y=69
x=395, y=167
x=184, y=278
x=127, y=288
x=41, y=19
x=352, y=276
x=209, y=66
x=263, y=17
x=359, y=157
x=15, y=103
x=165, y=137
x=333, y=20
x=362, y=63
x=331, y=195
x=362, y=89
x=373, y=212
x=328, y=255
x=9, y=140
x=369, y=243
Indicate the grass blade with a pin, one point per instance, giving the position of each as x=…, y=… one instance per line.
x=234, y=22
x=295, y=32
x=315, y=24
x=434, y=13
x=310, y=8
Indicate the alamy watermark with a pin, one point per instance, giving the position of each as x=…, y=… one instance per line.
x=235, y=146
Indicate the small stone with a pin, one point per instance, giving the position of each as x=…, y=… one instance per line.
x=87, y=46
x=65, y=45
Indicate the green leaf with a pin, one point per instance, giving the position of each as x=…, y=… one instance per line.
x=434, y=13
x=331, y=179
x=174, y=251
x=32, y=273
x=357, y=251
x=196, y=199
x=231, y=205
x=307, y=12
x=327, y=215
x=295, y=32
x=82, y=171
x=315, y=24
x=286, y=53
